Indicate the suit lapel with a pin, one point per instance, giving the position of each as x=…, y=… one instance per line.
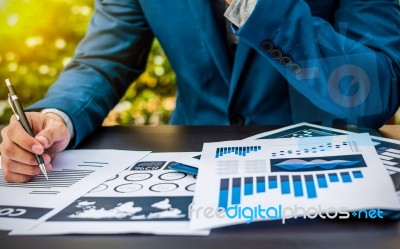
x=204, y=16
x=242, y=53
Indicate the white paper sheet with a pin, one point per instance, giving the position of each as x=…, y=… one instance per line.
x=391, y=163
x=300, y=130
x=146, y=198
x=75, y=172
x=331, y=172
x=388, y=149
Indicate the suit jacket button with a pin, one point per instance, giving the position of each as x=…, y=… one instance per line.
x=236, y=120
x=295, y=68
x=276, y=54
x=267, y=46
x=285, y=60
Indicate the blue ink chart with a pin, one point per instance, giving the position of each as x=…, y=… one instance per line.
x=388, y=149
x=307, y=171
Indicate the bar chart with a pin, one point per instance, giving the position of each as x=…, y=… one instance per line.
x=300, y=177
x=389, y=154
x=240, y=151
x=58, y=179
x=233, y=190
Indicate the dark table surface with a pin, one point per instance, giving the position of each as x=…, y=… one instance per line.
x=317, y=233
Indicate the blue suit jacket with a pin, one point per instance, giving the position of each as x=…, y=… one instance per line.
x=296, y=61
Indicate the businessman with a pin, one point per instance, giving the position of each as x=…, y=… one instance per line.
x=242, y=62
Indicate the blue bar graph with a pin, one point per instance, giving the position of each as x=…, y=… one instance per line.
x=300, y=186
x=248, y=185
x=240, y=151
x=285, y=186
x=333, y=177
x=297, y=186
x=345, y=177
x=322, y=181
x=358, y=174
x=260, y=184
x=236, y=190
x=272, y=182
x=311, y=191
x=223, y=194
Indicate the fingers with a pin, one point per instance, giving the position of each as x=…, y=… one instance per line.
x=16, y=134
x=14, y=171
x=21, y=168
x=16, y=178
x=16, y=154
x=18, y=147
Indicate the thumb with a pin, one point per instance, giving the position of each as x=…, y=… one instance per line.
x=43, y=140
x=55, y=135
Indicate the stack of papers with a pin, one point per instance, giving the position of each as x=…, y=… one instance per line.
x=74, y=173
x=147, y=197
x=297, y=172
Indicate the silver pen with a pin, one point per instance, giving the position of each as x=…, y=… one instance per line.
x=16, y=107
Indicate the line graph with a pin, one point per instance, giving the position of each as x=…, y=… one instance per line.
x=317, y=163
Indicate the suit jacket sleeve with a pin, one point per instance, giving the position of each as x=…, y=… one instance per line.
x=347, y=65
x=112, y=54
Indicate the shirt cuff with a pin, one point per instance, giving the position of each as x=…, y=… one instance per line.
x=64, y=116
x=239, y=11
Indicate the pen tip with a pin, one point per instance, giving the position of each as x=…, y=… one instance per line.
x=8, y=82
x=43, y=169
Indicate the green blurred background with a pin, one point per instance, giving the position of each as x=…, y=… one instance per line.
x=38, y=38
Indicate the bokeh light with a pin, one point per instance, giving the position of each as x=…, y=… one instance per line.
x=38, y=39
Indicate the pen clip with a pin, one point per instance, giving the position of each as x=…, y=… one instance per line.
x=10, y=98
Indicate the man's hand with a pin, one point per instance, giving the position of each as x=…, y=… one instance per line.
x=229, y=1
x=17, y=147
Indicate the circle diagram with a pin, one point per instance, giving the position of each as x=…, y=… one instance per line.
x=99, y=188
x=172, y=176
x=136, y=177
x=164, y=187
x=128, y=188
x=113, y=178
x=191, y=187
